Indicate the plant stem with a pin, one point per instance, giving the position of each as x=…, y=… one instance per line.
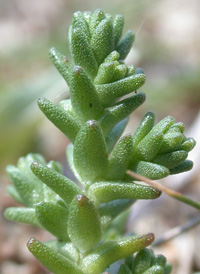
x=168, y=191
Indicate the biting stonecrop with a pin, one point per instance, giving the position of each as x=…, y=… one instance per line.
x=93, y=119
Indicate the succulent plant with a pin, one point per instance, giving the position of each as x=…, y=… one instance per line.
x=94, y=119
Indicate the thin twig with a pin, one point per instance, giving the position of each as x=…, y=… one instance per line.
x=176, y=231
x=168, y=191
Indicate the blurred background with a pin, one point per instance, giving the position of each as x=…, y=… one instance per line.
x=167, y=46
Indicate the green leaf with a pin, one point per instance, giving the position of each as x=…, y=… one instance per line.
x=60, y=118
x=11, y=190
x=67, y=106
x=113, y=56
x=124, y=269
x=53, y=218
x=114, y=134
x=79, y=21
x=130, y=70
x=55, y=166
x=24, y=163
x=149, y=170
x=51, y=259
x=129, y=261
x=82, y=52
x=120, y=72
x=61, y=63
x=120, y=111
x=87, y=15
x=168, y=268
x=97, y=16
x=160, y=260
x=149, y=147
x=105, y=73
x=110, y=92
x=119, y=158
x=22, y=215
x=142, y=261
x=164, y=124
x=84, y=227
x=180, y=126
x=106, y=254
x=156, y=269
x=144, y=128
x=63, y=186
x=183, y=167
x=114, y=208
x=90, y=155
x=118, y=24
x=125, y=44
x=70, y=160
x=171, y=160
x=66, y=249
x=188, y=144
x=103, y=192
x=84, y=99
x=29, y=191
x=171, y=142
x=102, y=40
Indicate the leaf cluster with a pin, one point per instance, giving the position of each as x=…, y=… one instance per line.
x=94, y=119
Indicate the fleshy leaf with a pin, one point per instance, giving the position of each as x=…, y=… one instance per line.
x=124, y=270
x=106, y=254
x=102, y=40
x=22, y=215
x=105, y=73
x=164, y=124
x=171, y=160
x=118, y=24
x=114, y=134
x=168, y=268
x=160, y=260
x=90, y=155
x=66, y=249
x=188, y=144
x=110, y=92
x=125, y=44
x=114, y=208
x=97, y=16
x=11, y=190
x=113, y=56
x=119, y=158
x=142, y=261
x=51, y=259
x=27, y=189
x=120, y=111
x=150, y=170
x=70, y=160
x=156, y=269
x=171, y=142
x=63, y=186
x=183, y=167
x=149, y=147
x=83, y=55
x=79, y=21
x=60, y=118
x=61, y=63
x=84, y=227
x=103, y=192
x=144, y=128
x=84, y=99
x=53, y=218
